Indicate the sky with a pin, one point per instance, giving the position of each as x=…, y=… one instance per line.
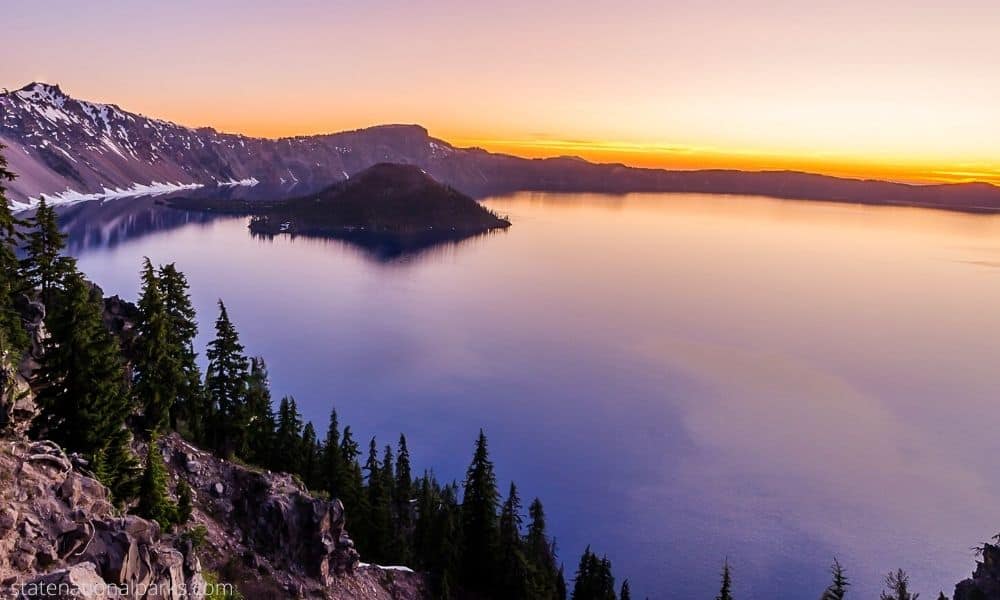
x=900, y=89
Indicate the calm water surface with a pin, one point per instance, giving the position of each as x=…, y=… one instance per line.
x=680, y=378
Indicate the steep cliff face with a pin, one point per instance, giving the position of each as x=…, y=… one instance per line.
x=57, y=525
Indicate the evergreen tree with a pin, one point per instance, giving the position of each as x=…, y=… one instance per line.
x=310, y=460
x=13, y=338
x=403, y=511
x=626, y=593
x=184, y=502
x=379, y=525
x=561, y=591
x=261, y=425
x=288, y=438
x=153, y=500
x=157, y=374
x=838, y=588
x=479, y=520
x=898, y=584
x=116, y=466
x=180, y=338
x=726, y=592
x=226, y=385
x=44, y=266
x=81, y=383
x=941, y=596
x=352, y=490
x=540, y=552
x=513, y=568
x=333, y=462
x=593, y=578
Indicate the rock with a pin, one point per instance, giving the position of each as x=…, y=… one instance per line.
x=79, y=582
x=218, y=489
x=985, y=581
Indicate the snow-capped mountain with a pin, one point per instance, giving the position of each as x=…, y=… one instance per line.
x=68, y=150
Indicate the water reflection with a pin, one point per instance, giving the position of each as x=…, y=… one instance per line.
x=679, y=377
x=104, y=224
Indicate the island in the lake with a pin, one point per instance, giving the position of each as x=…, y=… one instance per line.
x=388, y=208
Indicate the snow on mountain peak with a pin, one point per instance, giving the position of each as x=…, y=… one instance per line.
x=43, y=92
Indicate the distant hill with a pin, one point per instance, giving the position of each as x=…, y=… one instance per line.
x=72, y=150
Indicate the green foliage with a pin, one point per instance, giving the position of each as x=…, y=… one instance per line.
x=153, y=500
x=261, y=425
x=157, y=372
x=479, y=521
x=81, y=383
x=333, y=468
x=219, y=590
x=184, y=502
x=593, y=578
x=378, y=542
x=197, y=535
x=180, y=339
x=13, y=338
x=226, y=385
x=44, y=266
x=288, y=437
x=515, y=581
x=898, y=586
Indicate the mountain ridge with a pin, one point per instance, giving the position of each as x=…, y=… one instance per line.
x=70, y=150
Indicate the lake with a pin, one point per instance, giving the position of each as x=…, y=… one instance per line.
x=680, y=378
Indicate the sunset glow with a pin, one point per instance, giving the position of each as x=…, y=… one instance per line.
x=762, y=84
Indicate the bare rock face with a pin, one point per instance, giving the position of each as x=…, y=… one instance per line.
x=57, y=526
x=17, y=405
x=268, y=520
x=985, y=581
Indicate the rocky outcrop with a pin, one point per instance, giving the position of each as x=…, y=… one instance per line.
x=265, y=532
x=985, y=581
x=58, y=526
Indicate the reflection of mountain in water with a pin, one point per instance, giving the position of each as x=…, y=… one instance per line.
x=107, y=223
x=393, y=248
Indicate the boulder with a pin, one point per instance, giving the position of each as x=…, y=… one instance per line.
x=79, y=582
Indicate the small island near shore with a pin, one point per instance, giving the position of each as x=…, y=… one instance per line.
x=389, y=209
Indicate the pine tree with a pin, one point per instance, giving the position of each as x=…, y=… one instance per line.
x=226, y=384
x=153, y=500
x=561, y=591
x=81, y=383
x=941, y=596
x=157, y=374
x=379, y=525
x=540, y=552
x=479, y=520
x=116, y=466
x=310, y=457
x=352, y=489
x=838, y=588
x=13, y=338
x=261, y=425
x=898, y=584
x=726, y=592
x=181, y=334
x=333, y=462
x=44, y=266
x=626, y=593
x=288, y=438
x=513, y=566
x=184, y=502
x=402, y=496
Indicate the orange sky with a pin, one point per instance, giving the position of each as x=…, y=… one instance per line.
x=901, y=89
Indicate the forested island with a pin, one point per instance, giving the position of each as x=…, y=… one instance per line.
x=386, y=206
x=109, y=391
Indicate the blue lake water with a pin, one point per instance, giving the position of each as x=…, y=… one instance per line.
x=680, y=378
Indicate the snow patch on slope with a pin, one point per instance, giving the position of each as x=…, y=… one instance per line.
x=71, y=196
